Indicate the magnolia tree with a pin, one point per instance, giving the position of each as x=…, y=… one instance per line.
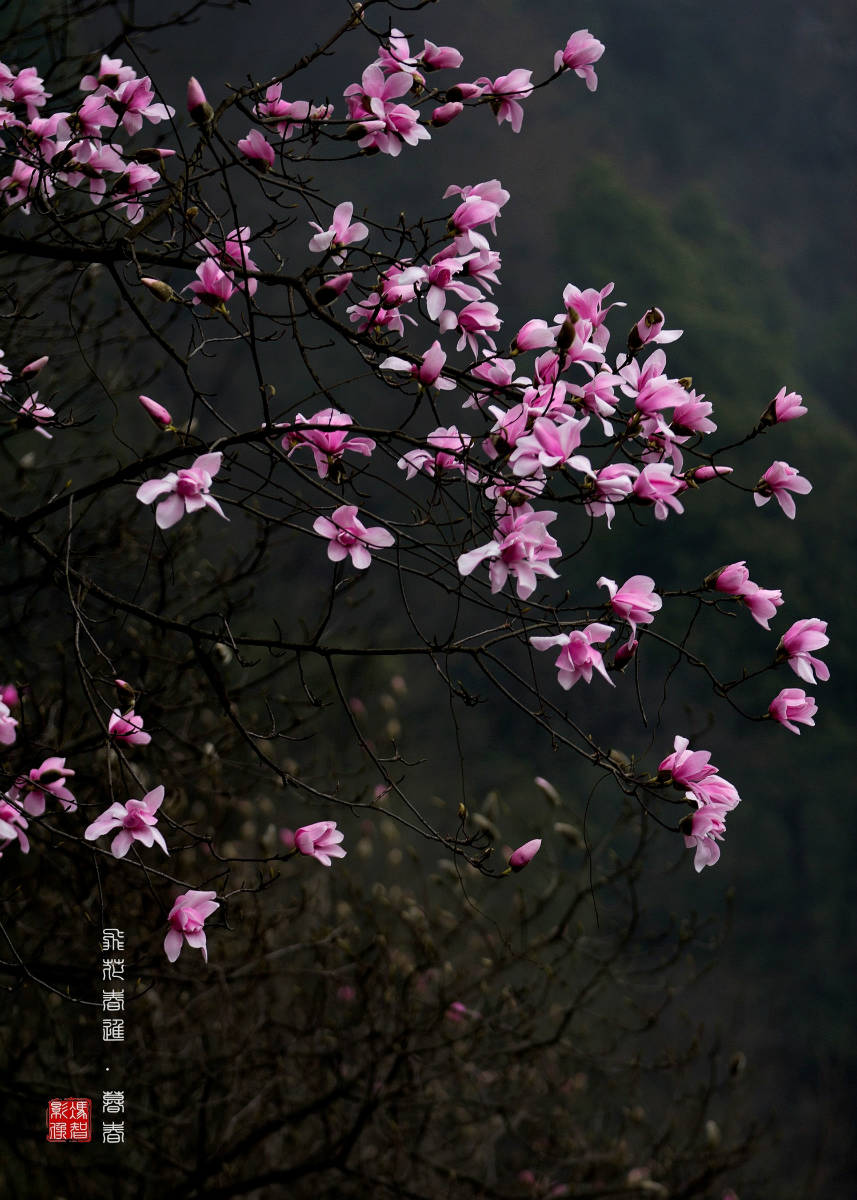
x=357, y=483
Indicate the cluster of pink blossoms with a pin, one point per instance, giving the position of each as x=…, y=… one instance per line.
x=70, y=148
x=712, y=795
x=795, y=647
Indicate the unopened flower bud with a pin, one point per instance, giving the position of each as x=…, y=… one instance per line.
x=356, y=131
x=445, y=113
x=160, y=290
x=331, y=288
x=159, y=415
x=33, y=367
x=200, y=110
x=519, y=858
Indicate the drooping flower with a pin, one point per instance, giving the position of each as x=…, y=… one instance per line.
x=187, y=917
x=128, y=728
x=762, y=602
x=320, y=841
x=135, y=821
x=257, y=149
x=796, y=644
x=347, y=535
x=780, y=480
x=519, y=858
x=703, y=829
x=184, y=491
x=793, y=704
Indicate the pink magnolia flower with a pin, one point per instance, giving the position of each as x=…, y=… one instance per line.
x=703, y=829
x=383, y=123
x=9, y=695
x=549, y=446
x=474, y=320
x=347, y=535
x=128, y=728
x=320, y=841
x=635, y=600
x=33, y=368
x=135, y=98
x=796, y=644
x=135, y=184
x=213, y=287
x=611, y=485
x=519, y=858
x=426, y=372
x=135, y=821
x=332, y=287
x=439, y=58
x=257, y=149
x=650, y=328
x=156, y=411
x=732, y=579
x=449, y=454
x=8, y=724
x=577, y=657
x=780, y=480
x=657, y=485
x=184, y=491
x=12, y=826
x=522, y=547
x=505, y=92
x=283, y=115
x=111, y=73
x=31, y=412
x=187, y=917
x=785, y=406
x=762, y=602
x=233, y=255
x=329, y=441
x=340, y=232
x=47, y=780
x=793, y=704
x=684, y=767
x=581, y=51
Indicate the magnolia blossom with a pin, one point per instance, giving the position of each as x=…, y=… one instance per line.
x=780, y=480
x=793, y=704
x=650, y=328
x=785, y=406
x=522, y=547
x=550, y=445
x=37, y=413
x=184, y=491
x=762, y=602
x=635, y=600
x=340, y=232
x=329, y=441
x=257, y=149
x=47, y=780
x=703, y=830
x=12, y=826
x=581, y=51
x=427, y=372
x=578, y=657
x=684, y=767
x=128, y=728
x=610, y=486
x=347, y=535
x=320, y=841
x=506, y=91
x=187, y=917
x=213, y=287
x=8, y=724
x=796, y=644
x=657, y=485
x=382, y=122
x=519, y=858
x=135, y=821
